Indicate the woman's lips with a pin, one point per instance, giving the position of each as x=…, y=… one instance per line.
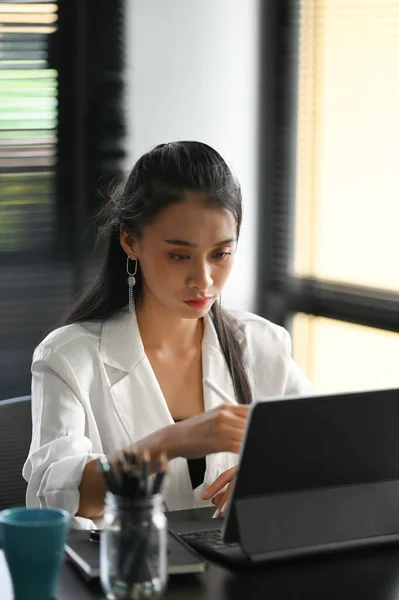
x=199, y=303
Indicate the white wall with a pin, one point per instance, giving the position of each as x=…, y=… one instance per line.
x=192, y=74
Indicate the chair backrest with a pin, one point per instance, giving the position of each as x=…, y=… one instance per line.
x=15, y=438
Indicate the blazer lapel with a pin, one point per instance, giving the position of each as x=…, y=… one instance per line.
x=134, y=387
x=138, y=398
x=137, y=395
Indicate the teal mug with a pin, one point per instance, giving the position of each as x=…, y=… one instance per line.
x=33, y=541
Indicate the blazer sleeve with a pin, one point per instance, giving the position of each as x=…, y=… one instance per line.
x=60, y=448
x=296, y=383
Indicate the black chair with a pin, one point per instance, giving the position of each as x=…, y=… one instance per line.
x=15, y=438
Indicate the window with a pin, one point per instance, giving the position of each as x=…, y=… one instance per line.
x=28, y=111
x=329, y=244
x=340, y=356
x=28, y=121
x=61, y=130
x=348, y=142
x=347, y=208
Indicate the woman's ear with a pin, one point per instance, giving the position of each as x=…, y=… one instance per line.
x=127, y=241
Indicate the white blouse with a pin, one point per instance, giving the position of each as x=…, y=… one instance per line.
x=94, y=392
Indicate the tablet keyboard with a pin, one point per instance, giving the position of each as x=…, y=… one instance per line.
x=209, y=538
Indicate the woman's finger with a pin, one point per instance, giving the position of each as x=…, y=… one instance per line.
x=216, y=499
x=219, y=484
x=240, y=410
x=214, y=488
x=222, y=503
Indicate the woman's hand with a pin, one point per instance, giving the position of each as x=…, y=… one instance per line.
x=218, y=430
x=220, y=499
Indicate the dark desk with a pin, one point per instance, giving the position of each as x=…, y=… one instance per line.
x=371, y=574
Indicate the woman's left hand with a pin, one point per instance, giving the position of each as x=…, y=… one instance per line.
x=220, y=499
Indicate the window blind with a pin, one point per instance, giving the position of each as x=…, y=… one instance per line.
x=61, y=130
x=348, y=142
x=28, y=138
x=347, y=190
x=28, y=111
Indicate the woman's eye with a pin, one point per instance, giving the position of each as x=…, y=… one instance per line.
x=221, y=255
x=179, y=257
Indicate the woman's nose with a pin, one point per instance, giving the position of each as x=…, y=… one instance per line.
x=200, y=277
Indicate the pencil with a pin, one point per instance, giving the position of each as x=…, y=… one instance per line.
x=109, y=475
x=215, y=388
x=160, y=474
x=145, y=472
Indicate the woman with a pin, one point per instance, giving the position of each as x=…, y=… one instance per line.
x=127, y=368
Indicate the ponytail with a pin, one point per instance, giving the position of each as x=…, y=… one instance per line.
x=225, y=327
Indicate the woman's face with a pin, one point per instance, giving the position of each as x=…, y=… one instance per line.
x=185, y=256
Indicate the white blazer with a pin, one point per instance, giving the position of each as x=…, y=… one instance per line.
x=94, y=392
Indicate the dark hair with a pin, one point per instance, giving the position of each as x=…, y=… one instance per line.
x=159, y=178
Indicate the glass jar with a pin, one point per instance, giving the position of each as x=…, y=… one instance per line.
x=133, y=548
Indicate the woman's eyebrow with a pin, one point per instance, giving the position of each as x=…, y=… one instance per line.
x=192, y=245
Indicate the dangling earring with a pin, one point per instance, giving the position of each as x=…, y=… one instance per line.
x=131, y=280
